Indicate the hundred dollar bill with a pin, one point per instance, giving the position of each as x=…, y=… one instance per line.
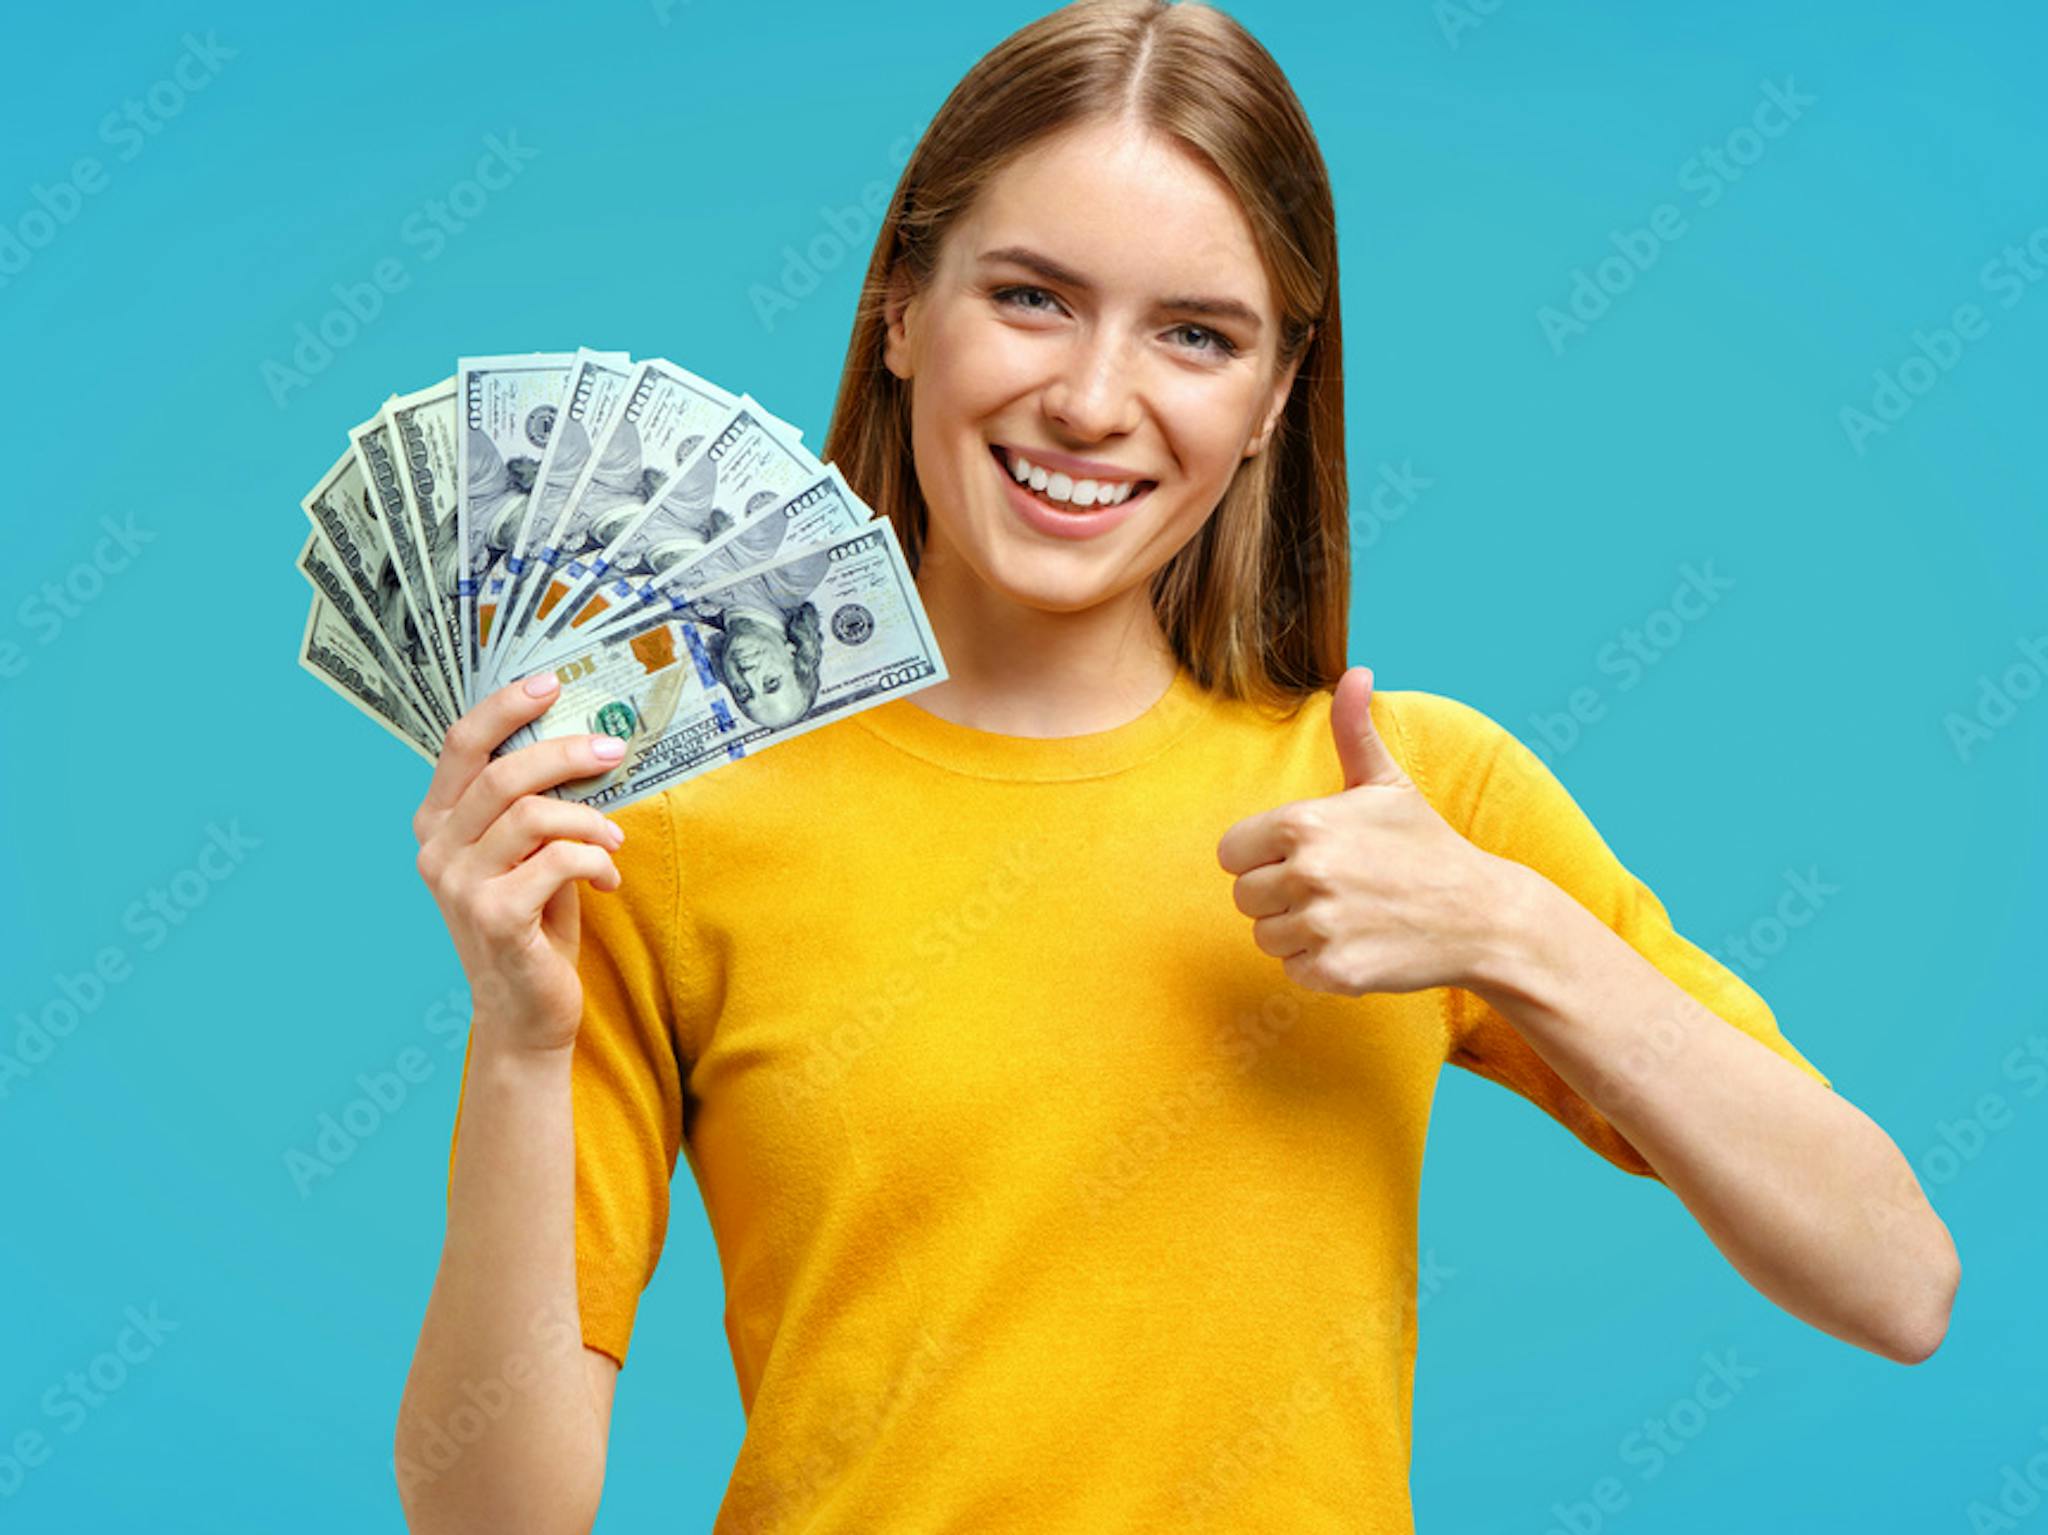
x=743, y=470
x=322, y=567
x=817, y=513
x=596, y=387
x=769, y=654
x=330, y=651
x=406, y=562
x=664, y=416
x=340, y=507
x=423, y=439
x=509, y=405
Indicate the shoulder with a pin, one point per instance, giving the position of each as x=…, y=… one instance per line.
x=1457, y=755
x=1462, y=759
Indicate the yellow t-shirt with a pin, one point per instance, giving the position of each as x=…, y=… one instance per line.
x=1043, y=1200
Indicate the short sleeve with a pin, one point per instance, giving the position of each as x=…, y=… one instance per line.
x=626, y=1077
x=1505, y=799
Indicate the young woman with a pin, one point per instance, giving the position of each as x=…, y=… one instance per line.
x=1053, y=1049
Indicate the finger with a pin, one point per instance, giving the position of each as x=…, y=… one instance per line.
x=1257, y=839
x=1283, y=936
x=558, y=759
x=471, y=739
x=527, y=888
x=534, y=819
x=1361, y=752
x=1264, y=891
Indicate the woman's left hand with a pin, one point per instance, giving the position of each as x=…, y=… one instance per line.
x=1368, y=889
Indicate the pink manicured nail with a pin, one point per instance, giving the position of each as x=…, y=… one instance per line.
x=607, y=748
x=540, y=683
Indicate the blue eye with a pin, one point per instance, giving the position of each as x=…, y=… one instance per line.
x=1015, y=295
x=1219, y=342
x=1011, y=295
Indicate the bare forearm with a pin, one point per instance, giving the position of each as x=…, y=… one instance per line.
x=497, y=1429
x=1802, y=1192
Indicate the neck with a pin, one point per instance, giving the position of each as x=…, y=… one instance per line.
x=1015, y=669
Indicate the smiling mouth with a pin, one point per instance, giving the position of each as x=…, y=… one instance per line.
x=1068, y=508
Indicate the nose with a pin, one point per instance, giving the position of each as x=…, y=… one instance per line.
x=1093, y=396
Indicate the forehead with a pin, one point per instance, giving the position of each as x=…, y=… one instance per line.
x=1133, y=210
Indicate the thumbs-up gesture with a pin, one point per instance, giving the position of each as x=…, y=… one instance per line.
x=1368, y=889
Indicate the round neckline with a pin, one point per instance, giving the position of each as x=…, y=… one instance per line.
x=1042, y=759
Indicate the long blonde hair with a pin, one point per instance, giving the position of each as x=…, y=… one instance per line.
x=1256, y=604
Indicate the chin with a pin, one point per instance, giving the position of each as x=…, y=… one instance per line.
x=1052, y=580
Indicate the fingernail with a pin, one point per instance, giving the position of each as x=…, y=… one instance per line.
x=540, y=683
x=607, y=748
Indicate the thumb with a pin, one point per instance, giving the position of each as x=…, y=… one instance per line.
x=1363, y=754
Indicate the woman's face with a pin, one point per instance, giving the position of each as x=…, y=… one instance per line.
x=1101, y=311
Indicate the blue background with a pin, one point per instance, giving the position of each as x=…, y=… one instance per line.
x=1802, y=723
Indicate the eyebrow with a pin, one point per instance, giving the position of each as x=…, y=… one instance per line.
x=1053, y=271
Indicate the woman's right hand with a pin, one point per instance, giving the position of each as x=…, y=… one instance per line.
x=502, y=860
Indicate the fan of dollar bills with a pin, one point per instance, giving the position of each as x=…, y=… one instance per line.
x=701, y=584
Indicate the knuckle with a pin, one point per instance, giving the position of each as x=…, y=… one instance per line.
x=1297, y=824
x=495, y=778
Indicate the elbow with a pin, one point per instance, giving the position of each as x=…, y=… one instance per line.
x=1939, y=1279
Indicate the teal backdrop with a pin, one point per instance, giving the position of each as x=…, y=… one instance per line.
x=1748, y=301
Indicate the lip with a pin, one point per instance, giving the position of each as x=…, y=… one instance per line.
x=1038, y=515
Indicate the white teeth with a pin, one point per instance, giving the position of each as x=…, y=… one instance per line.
x=1056, y=486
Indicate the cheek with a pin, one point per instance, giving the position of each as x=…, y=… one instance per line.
x=1207, y=422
